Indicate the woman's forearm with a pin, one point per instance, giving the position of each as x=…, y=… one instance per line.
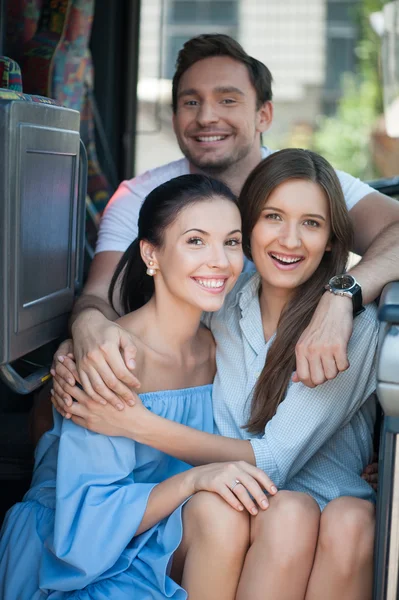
x=165, y=498
x=190, y=445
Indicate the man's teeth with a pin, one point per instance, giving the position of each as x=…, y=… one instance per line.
x=211, y=283
x=210, y=138
x=286, y=260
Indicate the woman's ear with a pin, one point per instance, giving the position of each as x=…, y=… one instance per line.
x=148, y=254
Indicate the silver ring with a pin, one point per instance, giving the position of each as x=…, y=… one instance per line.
x=236, y=482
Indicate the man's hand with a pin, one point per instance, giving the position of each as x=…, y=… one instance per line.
x=321, y=351
x=104, y=354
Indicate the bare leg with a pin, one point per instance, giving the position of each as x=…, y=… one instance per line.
x=209, y=561
x=343, y=568
x=283, y=543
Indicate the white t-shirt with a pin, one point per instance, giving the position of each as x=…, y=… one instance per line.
x=118, y=227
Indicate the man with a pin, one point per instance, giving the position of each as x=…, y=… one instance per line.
x=221, y=107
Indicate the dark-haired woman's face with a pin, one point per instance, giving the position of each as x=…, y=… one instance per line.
x=291, y=235
x=201, y=256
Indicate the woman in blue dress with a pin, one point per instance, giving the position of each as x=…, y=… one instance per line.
x=316, y=540
x=103, y=516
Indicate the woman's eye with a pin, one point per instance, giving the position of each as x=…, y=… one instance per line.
x=195, y=241
x=273, y=217
x=312, y=223
x=233, y=242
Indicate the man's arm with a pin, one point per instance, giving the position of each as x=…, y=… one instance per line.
x=321, y=352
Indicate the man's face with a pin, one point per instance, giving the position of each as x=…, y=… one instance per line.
x=217, y=124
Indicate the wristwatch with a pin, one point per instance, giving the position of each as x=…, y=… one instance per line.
x=346, y=285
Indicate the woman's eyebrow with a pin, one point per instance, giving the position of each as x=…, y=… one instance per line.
x=314, y=215
x=195, y=229
x=207, y=233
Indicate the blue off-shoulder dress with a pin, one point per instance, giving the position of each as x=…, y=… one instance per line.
x=73, y=535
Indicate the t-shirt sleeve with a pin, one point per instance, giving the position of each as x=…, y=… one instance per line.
x=307, y=418
x=118, y=226
x=354, y=189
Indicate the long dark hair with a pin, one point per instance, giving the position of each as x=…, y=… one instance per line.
x=159, y=210
x=279, y=167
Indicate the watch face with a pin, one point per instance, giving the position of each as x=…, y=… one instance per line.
x=343, y=282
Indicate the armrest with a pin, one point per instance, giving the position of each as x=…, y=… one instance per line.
x=388, y=310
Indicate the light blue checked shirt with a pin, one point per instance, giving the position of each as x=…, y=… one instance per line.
x=320, y=439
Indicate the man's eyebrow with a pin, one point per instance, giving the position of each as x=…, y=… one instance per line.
x=314, y=215
x=219, y=89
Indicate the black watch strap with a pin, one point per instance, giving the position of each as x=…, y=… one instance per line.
x=357, y=301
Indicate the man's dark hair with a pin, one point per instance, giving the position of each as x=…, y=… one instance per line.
x=216, y=44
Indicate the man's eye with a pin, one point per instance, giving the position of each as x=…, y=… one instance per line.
x=312, y=223
x=233, y=242
x=228, y=101
x=195, y=241
x=191, y=103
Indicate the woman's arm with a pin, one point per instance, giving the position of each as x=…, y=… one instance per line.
x=303, y=423
x=100, y=507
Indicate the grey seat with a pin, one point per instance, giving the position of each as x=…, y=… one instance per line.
x=42, y=192
x=387, y=531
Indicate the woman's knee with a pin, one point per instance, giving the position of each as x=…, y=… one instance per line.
x=347, y=529
x=289, y=527
x=206, y=516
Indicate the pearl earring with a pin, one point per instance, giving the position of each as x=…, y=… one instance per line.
x=151, y=271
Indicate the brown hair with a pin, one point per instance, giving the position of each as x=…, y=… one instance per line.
x=280, y=363
x=217, y=44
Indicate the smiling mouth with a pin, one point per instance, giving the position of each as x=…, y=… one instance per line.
x=286, y=260
x=215, y=285
x=210, y=138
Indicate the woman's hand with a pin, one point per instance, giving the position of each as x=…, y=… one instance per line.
x=370, y=473
x=101, y=418
x=242, y=485
x=104, y=354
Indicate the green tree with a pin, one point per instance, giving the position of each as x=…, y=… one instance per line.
x=344, y=138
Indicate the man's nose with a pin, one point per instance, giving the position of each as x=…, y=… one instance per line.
x=207, y=114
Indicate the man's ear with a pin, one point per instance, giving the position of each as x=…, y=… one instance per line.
x=264, y=117
x=148, y=254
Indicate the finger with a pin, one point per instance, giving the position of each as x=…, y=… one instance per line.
x=70, y=365
x=341, y=357
x=73, y=391
x=63, y=373
x=302, y=368
x=260, y=476
x=129, y=351
x=87, y=386
x=114, y=377
x=58, y=387
x=119, y=373
x=241, y=491
x=55, y=402
x=371, y=479
x=63, y=349
x=329, y=366
x=316, y=371
x=58, y=398
x=225, y=492
x=371, y=468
